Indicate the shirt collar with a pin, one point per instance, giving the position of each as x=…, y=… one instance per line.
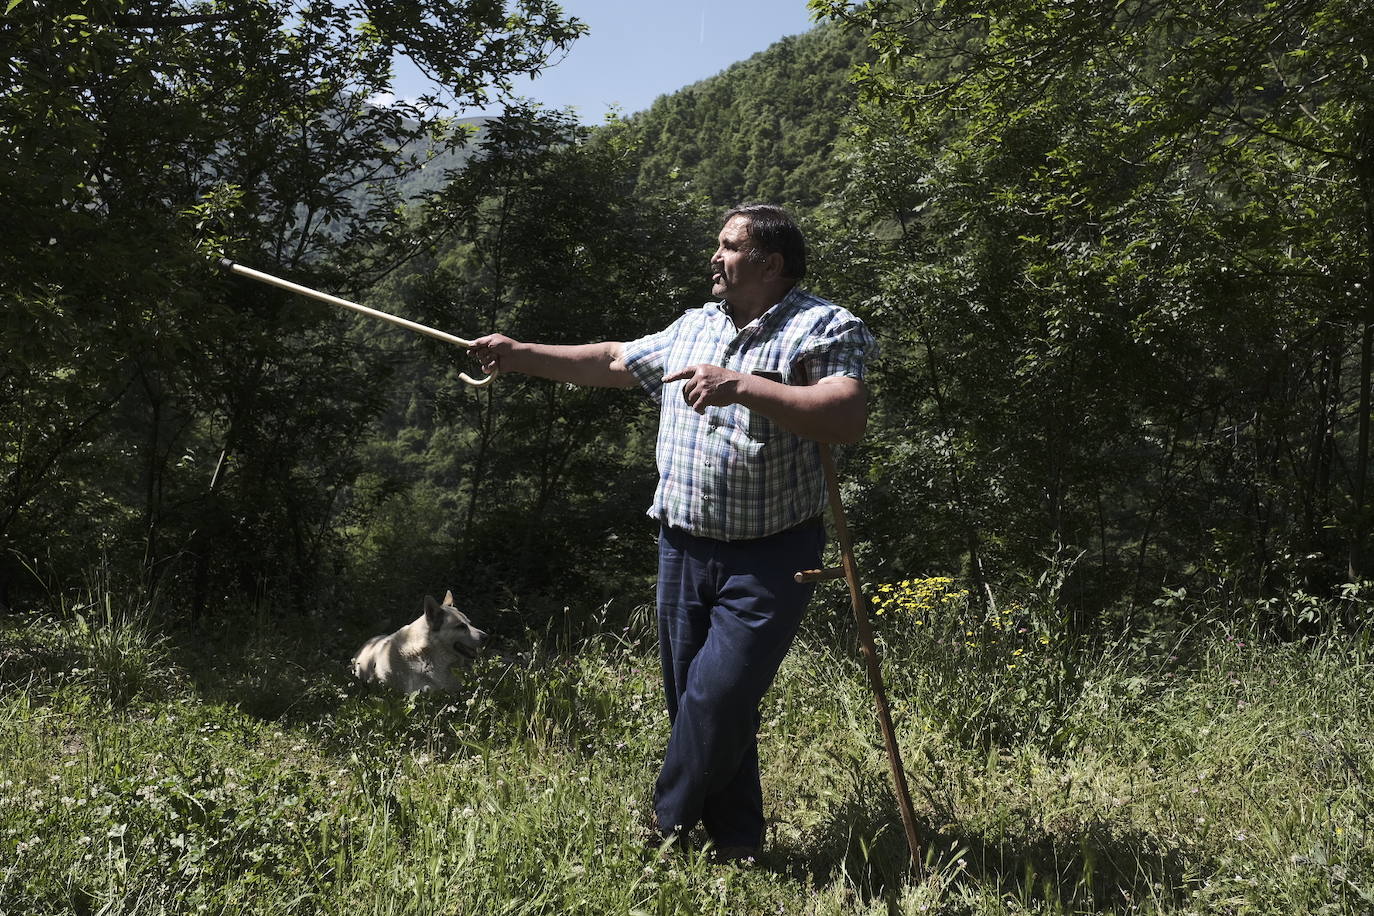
x=772, y=315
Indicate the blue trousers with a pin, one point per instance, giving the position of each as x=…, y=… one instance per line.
x=727, y=614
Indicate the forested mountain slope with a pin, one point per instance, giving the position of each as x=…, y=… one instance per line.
x=763, y=129
x=434, y=173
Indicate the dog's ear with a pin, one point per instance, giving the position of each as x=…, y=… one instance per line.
x=448, y=598
x=434, y=614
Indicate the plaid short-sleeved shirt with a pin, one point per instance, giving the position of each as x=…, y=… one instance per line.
x=730, y=473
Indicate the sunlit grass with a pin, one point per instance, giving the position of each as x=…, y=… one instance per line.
x=1205, y=772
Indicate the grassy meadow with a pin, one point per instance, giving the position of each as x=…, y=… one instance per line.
x=1193, y=769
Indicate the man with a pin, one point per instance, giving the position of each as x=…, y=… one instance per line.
x=747, y=386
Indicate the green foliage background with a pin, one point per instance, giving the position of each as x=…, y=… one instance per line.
x=1119, y=260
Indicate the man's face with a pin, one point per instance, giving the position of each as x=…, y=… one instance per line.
x=733, y=272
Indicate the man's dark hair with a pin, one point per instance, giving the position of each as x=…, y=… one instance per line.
x=773, y=231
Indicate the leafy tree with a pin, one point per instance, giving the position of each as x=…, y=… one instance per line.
x=138, y=138
x=1128, y=265
x=541, y=487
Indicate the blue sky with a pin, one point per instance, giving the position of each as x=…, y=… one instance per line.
x=638, y=50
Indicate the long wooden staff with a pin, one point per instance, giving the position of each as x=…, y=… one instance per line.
x=867, y=647
x=406, y=323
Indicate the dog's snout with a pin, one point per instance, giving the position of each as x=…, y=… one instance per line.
x=470, y=641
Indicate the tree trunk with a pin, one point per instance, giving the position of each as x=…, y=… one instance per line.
x=1358, y=567
x=201, y=539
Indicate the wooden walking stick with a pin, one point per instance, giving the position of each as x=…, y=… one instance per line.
x=867, y=647
x=231, y=267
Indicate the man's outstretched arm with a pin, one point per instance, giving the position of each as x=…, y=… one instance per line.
x=599, y=365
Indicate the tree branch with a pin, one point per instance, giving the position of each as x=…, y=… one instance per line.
x=150, y=21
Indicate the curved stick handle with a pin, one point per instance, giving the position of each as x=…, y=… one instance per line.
x=231, y=267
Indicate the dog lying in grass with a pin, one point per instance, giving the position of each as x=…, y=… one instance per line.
x=421, y=655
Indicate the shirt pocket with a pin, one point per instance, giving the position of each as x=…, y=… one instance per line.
x=772, y=366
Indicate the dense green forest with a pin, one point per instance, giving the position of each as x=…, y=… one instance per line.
x=1120, y=259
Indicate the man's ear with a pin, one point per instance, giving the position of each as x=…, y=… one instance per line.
x=773, y=266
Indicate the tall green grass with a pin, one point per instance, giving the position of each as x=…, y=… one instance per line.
x=1196, y=770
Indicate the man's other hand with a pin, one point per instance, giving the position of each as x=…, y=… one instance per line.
x=707, y=386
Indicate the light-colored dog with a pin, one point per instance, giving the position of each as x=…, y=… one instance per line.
x=420, y=656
